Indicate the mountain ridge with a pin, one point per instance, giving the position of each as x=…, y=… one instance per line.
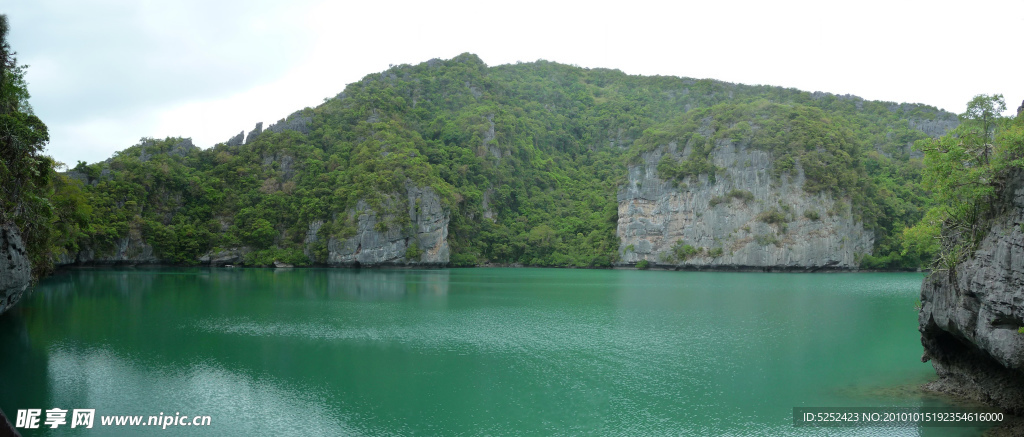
x=525, y=159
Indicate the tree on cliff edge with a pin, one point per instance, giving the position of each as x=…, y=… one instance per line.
x=964, y=170
x=979, y=122
x=40, y=203
x=22, y=138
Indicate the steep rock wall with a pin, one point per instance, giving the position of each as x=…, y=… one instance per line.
x=969, y=319
x=131, y=249
x=654, y=215
x=15, y=269
x=428, y=229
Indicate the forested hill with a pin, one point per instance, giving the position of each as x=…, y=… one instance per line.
x=454, y=162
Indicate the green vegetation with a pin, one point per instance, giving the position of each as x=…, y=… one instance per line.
x=45, y=206
x=741, y=195
x=546, y=144
x=643, y=265
x=860, y=156
x=681, y=251
x=767, y=239
x=812, y=215
x=772, y=217
x=964, y=171
x=413, y=252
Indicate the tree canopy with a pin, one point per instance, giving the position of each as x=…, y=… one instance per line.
x=964, y=170
x=45, y=207
x=527, y=157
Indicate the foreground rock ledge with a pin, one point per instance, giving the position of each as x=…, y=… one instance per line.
x=15, y=270
x=969, y=321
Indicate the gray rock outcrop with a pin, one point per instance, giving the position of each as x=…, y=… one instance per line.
x=183, y=147
x=254, y=133
x=224, y=257
x=816, y=231
x=130, y=249
x=237, y=139
x=15, y=269
x=970, y=317
x=935, y=127
x=427, y=229
x=298, y=121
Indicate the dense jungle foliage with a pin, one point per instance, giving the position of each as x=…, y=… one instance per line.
x=541, y=148
x=967, y=170
x=42, y=204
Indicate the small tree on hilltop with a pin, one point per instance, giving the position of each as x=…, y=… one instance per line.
x=979, y=123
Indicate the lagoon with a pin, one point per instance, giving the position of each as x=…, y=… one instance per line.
x=502, y=351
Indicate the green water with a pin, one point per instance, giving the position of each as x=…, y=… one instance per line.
x=466, y=351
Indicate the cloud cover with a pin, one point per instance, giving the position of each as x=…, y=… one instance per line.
x=105, y=73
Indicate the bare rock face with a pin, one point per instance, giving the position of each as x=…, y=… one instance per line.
x=371, y=246
x=970, y=317
x=724, y=220
x=225, y=257
x=298, y=121
x=131, y=249
x=237, y=139
x=15, y=269
x=254, y=133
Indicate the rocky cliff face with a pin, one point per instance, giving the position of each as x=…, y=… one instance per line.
x=427, y=233
x=970, y=317
x=15, y=269
x=131, y=249
x=742, y=220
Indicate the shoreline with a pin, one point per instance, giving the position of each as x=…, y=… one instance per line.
x=683, y=268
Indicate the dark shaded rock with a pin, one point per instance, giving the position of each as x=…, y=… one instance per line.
x=131, y=250
x=970, y=317
x=15, y=269
x=6, y=429
x=254, y=133
x=182, y=148
x=81, y=177
x=226, y=257
x=298, y=121
x=935, y=127
x=237, y=139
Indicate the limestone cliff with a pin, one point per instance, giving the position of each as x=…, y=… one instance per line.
x=131, y=249
x=970, y=317
x=15, y=269
x=376, y=243
x=379, y=239
x=743, y=219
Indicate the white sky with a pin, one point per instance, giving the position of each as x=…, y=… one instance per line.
x=105, y=73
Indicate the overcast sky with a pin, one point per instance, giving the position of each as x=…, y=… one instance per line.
x=105, y=73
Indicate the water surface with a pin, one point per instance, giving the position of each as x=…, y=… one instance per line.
x=466, y=351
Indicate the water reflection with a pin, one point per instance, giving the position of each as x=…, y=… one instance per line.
x=480, y=351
